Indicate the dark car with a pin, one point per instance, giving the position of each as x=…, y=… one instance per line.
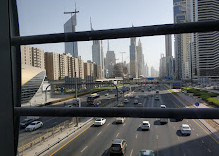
x=25, y=122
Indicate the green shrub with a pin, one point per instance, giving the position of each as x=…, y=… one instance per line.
x=213, y=101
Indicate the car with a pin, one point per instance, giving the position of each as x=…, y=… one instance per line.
x=145, y=152
x=68, y=106
x=163, y=120
x=136, y=102
x=185, y=129
x=126, y=101
x=140, y=103
x=142, y=90
x=162, y=106
x=25, y=122
x=34, y=125
x=99, y=121
x=156, y=97
x=108, y=98
x=106, y=94
x=118, y=146
x=120, y=120
x=76, y=102
x=145, y=125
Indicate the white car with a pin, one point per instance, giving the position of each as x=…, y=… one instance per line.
x=126, y=101
x=99, y=121
x=145, y=125
x=106, y=94
x=136, y=102
x=120, y=120
x=162, y=106
x=34, y=125
x=185, y=129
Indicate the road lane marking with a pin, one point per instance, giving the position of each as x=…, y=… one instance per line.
x=84, y=149
x=117, y=135
x=99, y=133
x=205, y=131
x=203, y=142
x=72, y=139
x=131, y=152
x=209, y=150
x=197, y=134
x=174, y=127
x=108, y=124
x=136, y=136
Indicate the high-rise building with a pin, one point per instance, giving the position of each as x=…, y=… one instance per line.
x=110, y=62
x=97, y=54
x=52, y=65
x=154, y=72
x=133, y=58
x=207, y=43
x=139, y=59
x=169, y=57
x=168, y=45
x=179, y=10
x=70, y=26
x=163, y=67
x=32, y=56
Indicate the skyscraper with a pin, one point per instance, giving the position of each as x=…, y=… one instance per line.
x=139, y=59
x=70, y=26
x=179, y=7
x=133, y=58
x=97, y=54
x=207, y=43
x=168, y=45
x=110, y=62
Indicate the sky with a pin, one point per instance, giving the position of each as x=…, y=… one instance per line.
x=47, y=16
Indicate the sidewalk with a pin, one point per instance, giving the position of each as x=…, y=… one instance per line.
x=211, y=125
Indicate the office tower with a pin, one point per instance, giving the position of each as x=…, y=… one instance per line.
x=110, y=62
x=163, y=67
x=139, y=58
x=133, y=58
x=179, y=7
x=70, y=26
x=168, y=45
x=207, y=43
x=169, y=57
x=97, y=53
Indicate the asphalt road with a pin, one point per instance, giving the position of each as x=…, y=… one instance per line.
x=165, y=140
x=51, y=123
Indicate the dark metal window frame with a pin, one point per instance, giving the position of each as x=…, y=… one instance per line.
x=10, y=68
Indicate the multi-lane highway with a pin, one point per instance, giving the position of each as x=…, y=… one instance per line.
x=49, y=123
x=163, y=139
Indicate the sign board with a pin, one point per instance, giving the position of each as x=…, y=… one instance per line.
x=150, y=78
x=197, y=104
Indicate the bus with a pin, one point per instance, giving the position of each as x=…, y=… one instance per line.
x=91, y=98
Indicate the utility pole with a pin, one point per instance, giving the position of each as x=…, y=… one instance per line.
x=122, y=73
x=75, y=75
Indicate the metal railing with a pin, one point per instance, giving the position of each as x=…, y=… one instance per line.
x=11, y=67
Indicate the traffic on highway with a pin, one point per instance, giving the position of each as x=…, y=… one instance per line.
x=131, y=136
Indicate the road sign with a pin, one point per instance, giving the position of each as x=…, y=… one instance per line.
x=150, y=78
x=197, y=104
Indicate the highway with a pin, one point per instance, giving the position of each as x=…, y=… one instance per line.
x=49, y=123
x=165, y=140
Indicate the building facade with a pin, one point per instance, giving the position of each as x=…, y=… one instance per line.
x=133, y=58
x=70, y=26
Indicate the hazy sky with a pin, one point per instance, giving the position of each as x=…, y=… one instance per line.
x=47, y=16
